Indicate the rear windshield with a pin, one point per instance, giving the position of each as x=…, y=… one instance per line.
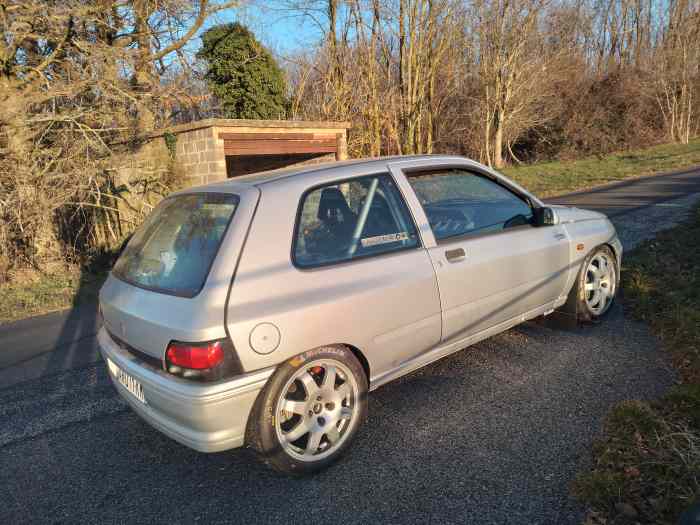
x=174, y=248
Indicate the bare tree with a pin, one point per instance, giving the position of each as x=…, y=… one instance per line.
x=677, y=63
x=515, y=71
x=80, y=83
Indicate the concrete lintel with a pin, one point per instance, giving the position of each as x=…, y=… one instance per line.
x=243, y=123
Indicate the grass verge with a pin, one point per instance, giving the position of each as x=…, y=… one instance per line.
x=546, y=179
x=31, y=293
x=647, y=464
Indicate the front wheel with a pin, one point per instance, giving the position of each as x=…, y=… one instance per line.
x=597, y=284
x=310, y=410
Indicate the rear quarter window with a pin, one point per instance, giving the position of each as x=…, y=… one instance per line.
x=172, y=252
x=352, y=219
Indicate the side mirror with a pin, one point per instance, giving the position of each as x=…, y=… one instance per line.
x=545, y=217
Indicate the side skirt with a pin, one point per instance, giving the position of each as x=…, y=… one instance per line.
x=450, y=347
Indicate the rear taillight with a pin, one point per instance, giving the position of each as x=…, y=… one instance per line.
x=195, y=356
x=209, y=361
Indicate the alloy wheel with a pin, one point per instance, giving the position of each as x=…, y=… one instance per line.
x=317, y=410
x=601, y=282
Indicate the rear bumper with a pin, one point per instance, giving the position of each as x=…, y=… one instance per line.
x=205, y=417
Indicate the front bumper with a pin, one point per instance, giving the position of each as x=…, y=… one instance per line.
x=206, y=417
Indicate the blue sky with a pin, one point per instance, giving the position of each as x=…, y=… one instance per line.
x=284, y=32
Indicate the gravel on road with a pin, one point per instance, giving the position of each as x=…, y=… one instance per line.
x=638, y=225
x=492, y=434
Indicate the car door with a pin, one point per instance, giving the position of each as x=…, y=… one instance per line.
x=493, y=266
x=357, y=273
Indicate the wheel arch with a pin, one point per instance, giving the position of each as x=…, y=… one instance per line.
x=360, y=357
x=570, y=305
x=612, y=247
x=617, y=252
x=606, y=244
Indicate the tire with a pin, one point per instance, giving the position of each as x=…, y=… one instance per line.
x=301, y=423
x=596, y=285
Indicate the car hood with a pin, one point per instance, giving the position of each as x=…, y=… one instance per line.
x=568, y=214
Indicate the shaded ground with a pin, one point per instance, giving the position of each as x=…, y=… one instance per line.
x=31, y=293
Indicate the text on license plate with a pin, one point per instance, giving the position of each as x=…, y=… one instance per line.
x=128, y=382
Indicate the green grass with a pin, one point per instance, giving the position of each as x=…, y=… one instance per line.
x=31, y=294
x=553, y=178
x=647, y=464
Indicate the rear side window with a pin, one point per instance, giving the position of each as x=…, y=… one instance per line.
x=351, y=219
x=175, y=247
x=458, y=202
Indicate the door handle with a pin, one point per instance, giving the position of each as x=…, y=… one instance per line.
x=456, y=255
x=559, y=236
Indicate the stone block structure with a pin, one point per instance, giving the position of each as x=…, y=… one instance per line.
x=216, y=149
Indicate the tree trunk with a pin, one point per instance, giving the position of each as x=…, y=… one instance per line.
x=498, y=141
x=142, y=78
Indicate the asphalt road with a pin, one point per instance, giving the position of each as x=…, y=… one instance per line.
x=626, y=196
x=493, y=434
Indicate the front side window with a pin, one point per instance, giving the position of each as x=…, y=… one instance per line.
x=350, y=219
x=458, y=202
x=174, y=248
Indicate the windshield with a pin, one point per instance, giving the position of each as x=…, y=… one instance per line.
x=173, y=250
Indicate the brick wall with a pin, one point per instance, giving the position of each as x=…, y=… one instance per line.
x=134, y=171
x=200, y=156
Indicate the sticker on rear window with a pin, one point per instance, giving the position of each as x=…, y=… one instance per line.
x=384, y=239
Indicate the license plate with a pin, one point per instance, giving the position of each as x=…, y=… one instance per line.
x=128, y=382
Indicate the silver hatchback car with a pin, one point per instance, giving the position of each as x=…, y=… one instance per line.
x=260, y=311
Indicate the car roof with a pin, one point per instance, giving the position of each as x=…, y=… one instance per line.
x=266, y=177
x=318, y=172
x=292, y=178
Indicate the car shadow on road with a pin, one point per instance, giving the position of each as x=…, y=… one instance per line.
x=52, y=343
x=76, y=344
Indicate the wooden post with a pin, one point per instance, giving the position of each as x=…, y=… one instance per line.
x=341, y=140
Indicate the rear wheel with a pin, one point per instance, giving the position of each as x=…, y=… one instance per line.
x=597, y=284
x=310, y=410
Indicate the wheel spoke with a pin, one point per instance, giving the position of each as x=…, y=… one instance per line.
x=343, y=391
x=298, y=431
x=314, y=442
x=295, y=407
x=333, y=434
x=329, y=378
x=309, y=384
x=345, y=413
x=602, y=301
